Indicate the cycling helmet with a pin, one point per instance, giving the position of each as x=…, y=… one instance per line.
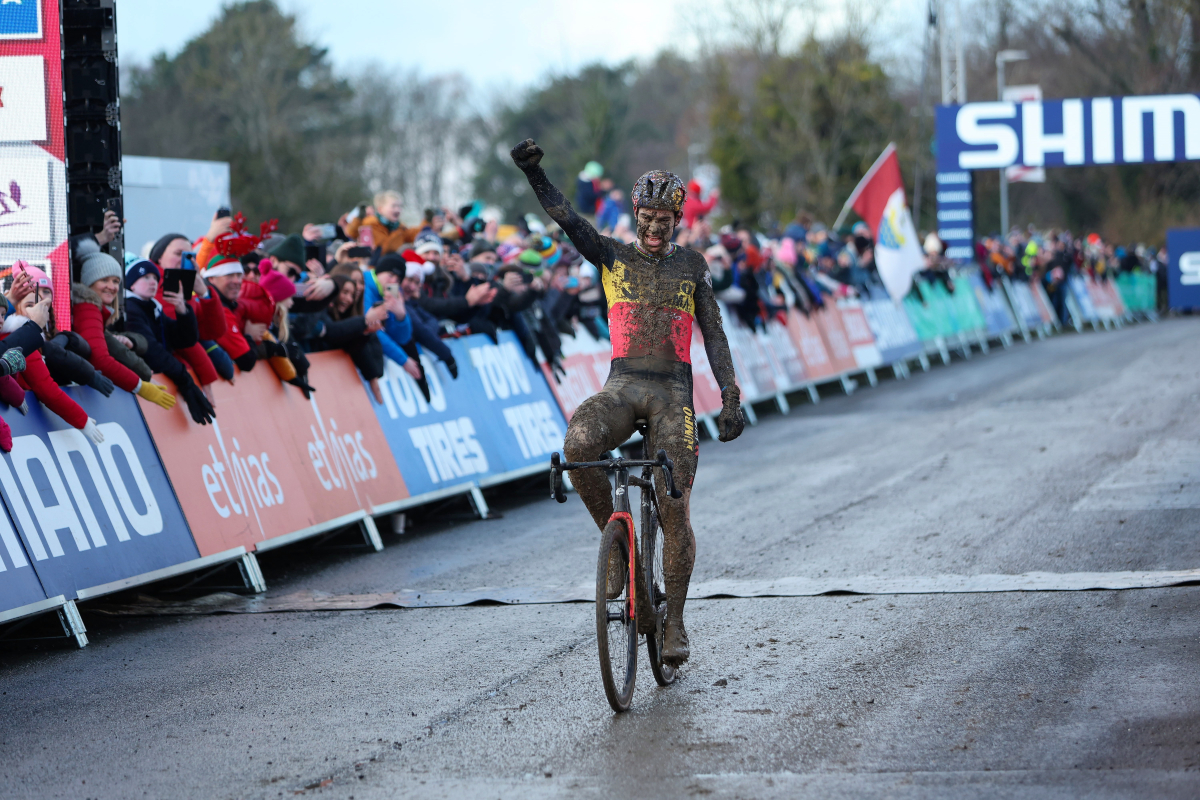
x=659, y=189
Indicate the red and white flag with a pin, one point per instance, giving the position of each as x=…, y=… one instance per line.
x=879, y=200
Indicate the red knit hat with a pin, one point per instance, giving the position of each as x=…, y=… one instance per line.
x=277, y=284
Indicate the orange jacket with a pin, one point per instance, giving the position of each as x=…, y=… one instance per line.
x=390, y=241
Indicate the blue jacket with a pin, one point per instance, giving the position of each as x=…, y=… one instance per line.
x=396, y=332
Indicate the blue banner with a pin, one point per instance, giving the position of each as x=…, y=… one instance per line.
x=19, y=585
x=90, y=514
x=894, y=333
x=1183, y=272
x=496, y=417
x=995, y=311
x=1079, y=291
x=1071, y=132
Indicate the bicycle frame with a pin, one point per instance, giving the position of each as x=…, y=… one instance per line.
x=621, y=508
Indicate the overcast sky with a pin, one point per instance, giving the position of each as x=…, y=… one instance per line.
x=480, y=38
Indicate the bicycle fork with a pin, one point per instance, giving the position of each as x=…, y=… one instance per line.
x=622, y=513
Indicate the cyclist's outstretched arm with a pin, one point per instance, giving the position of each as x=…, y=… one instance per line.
x=590, y=244
x=708, y=316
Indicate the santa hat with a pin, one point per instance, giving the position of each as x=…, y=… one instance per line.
x=234, y=244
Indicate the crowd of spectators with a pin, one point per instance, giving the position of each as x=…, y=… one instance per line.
x=199, y=311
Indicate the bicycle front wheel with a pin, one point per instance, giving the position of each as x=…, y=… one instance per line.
x=616, y=632
x=655, y=594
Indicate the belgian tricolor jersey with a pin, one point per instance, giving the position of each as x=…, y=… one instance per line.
x=652, y=301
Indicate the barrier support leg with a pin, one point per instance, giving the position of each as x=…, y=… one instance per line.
x=924, y=362
x=983, y=342
x=964, y=344
x=813, y=394
x=782, y=403
x=710, y=425
x=481, y=506
x=848, y=385
x=370, y=533
x=943, y=351
x=1006, y=340
x=748, y=410
x=872, y=378
x=252, y=575
x=72, y=623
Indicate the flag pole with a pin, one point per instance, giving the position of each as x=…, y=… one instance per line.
x=887, y=151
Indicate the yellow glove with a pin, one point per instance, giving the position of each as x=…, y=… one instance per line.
x=156, y=394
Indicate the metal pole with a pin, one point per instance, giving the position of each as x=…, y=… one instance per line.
x=1003, y=170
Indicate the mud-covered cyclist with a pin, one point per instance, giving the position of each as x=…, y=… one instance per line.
x=654, y=290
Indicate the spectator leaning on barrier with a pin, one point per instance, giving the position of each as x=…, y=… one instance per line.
x=205, y=357
x=144, y=315
x=343, y=325
x=65, y=353
x=93, y=303
x=33, y=307
x=381, y=287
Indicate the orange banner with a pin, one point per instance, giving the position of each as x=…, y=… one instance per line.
x=274, y=463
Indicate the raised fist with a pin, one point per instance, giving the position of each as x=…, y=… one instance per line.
x=527, y=154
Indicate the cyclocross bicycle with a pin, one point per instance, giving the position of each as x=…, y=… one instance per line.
x=626, y=606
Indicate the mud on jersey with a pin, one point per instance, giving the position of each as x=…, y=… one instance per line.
x=652, y=301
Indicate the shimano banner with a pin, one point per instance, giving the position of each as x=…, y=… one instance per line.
x=1072, y=132
x=89, y=514
x=498, y=416
x=1183, y=274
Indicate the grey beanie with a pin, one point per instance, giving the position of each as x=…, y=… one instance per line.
x=98, y=265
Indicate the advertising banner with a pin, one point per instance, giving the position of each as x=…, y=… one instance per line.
x=1023, y=303
x=1083, y=298
x=706, y=392
x=499, y=416
x=1070, y=132
x=90, y=514
x=829, y=321
x=273, y=463
x=19, y=585
x=33, y=187
x=585, y=362
x=1183, y=267
x=858, y=334
x=811, y=344
x=894, y=333
x=997, y=316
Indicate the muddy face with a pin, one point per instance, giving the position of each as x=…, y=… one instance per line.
x=654, y=229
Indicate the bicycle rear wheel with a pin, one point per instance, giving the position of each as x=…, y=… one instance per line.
x=655, y=591
x=616, y=632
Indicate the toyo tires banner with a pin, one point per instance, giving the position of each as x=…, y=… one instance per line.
x=498, y=416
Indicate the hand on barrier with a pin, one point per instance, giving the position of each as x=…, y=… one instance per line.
x=101, y=384
x=730, y=422
x=452, y=365
x=156, y=394
x=198, y=406
x=12, y=361
x=92, y=432
x=412, y=368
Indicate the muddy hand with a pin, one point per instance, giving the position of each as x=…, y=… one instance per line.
x=730, y=422
x=527, y=155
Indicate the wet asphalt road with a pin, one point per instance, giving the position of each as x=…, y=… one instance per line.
x=1077, y=454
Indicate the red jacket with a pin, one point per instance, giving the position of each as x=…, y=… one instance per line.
x=255, y=305
x=36, y=378
x=88, y=320
x=693, y=206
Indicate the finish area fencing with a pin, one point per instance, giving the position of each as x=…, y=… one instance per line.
x=162, y=497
